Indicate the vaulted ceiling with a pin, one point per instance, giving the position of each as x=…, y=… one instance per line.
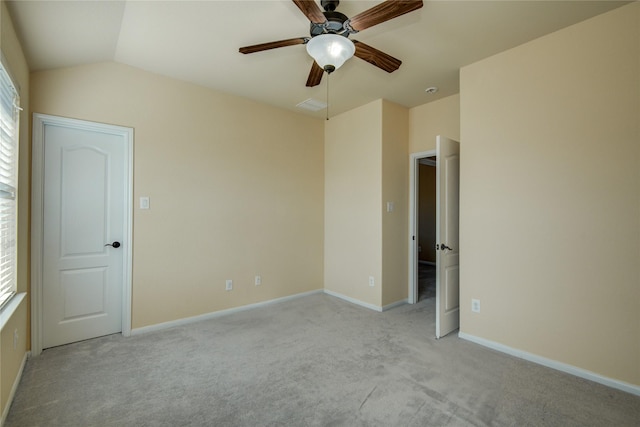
x=198, y=41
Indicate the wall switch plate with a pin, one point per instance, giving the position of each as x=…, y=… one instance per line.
x=390, y=206
x=372, y=281
x=258, y=281
x=144, y=202
x=475, y=305
x=229, y=285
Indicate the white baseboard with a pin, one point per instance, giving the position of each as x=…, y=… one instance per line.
x=214, y=314
x=14, y=387
x=395, y=304
x=353, y=300
x=553, y=364
x=366, y=304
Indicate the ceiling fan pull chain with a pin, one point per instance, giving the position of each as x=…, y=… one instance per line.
x=328, y=75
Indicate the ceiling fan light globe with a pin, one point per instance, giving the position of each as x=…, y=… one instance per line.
x=330, y=50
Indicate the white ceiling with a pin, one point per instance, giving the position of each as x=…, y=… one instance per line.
x=198, y=41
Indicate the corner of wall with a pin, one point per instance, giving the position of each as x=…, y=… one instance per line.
x=12, y=355
x=353, y=199
x=395, y=202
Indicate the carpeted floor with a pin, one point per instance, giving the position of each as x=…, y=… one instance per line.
x=312, y=361
x=426, y=281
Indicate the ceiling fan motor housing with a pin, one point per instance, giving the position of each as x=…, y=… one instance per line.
x=334, y=25
x=335, y=20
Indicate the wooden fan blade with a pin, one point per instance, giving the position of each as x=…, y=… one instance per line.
x=383, y=12
x=311, y=10
x=315, y=75
x=273, y=45
x=376, y=57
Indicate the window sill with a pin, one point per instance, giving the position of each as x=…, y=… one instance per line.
x=10, y=307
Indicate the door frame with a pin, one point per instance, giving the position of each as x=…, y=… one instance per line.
x=37, y=218
x=413, y=222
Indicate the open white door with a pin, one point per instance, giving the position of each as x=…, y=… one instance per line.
x=447, y=248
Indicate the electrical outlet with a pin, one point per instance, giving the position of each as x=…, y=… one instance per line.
x=229, y=285
x=475, y=305
x=144, y=202
x=258, y=281
x=372, y=281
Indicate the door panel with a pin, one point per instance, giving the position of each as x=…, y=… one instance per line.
x=452, y=290
x=85, y=184
x=85, y=293
x=84, y=201
x=448, y=260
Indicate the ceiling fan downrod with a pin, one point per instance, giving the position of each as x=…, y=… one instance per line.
x=329, y=5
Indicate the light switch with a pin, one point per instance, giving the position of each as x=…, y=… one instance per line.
x=390, y=206
x=144, y=202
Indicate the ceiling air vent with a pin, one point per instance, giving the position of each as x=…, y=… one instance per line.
x=312, y=105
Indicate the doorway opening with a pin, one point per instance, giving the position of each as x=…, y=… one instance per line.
x=445, y=160
x=426, y=227
x=424, y=162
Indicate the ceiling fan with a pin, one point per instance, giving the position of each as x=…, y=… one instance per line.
x=329, y=42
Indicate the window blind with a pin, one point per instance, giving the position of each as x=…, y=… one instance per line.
x=9, y=119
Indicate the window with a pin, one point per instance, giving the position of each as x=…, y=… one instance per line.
x=9, y=118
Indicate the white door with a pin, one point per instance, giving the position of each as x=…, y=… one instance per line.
x=447, y=249
x=84, y=215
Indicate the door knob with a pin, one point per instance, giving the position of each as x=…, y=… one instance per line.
x=114, y=245
x=443, y=247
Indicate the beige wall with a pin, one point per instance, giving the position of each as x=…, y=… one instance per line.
x=10, y=357
x=236, y=188
x=441, y=117
x=353, y=203
x=366, y=167
x=395, y=188
x=550, y=196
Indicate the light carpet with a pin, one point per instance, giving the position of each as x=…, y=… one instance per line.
x=312, y=361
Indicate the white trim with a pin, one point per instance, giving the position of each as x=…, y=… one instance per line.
x=14, y=388
x=127, y=268
x=413, y=221
x=553, y=364
x=37, y=228
x=215, y=314
x=427, y=162
x=37, y=218
x=394, y=304
x=366, y=304
x=354, y=301
x=10, y=307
